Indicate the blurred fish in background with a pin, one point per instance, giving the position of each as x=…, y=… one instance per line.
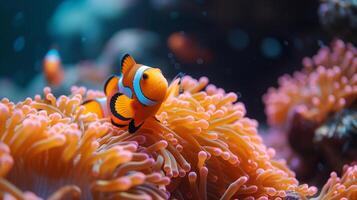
x=187, y=49
x=52, y=68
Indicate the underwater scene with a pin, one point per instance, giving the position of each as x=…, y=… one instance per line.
x=178, y=99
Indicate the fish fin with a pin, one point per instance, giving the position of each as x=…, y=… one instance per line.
x=110, y=84
x=118, y=125
x=175, y=86
x=126, y=63
x=173, y=90
x=133, y=128
x=120, y=107
x=93, y=106
x=156, y=119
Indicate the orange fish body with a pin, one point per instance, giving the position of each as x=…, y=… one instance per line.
x=134, y=96
x=52, y=68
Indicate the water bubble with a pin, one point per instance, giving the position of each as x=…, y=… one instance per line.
x=174, y=15
x=199, y=61
x=238, y=39
x=271, y=47
x=19, y=44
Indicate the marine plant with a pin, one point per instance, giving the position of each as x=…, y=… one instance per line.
x=203, y=148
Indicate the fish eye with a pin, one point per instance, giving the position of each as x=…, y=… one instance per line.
x=145, y=76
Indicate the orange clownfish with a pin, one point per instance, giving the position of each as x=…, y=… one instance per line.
x=134, y=96
x=52, y=68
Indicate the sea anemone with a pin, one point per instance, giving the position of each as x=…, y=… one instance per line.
x=200, y=147
x=343, y=188
x=327, y=84
x=213, y=151
x=49, y=147
x=309, y=105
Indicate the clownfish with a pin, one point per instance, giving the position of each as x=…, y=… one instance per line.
x=52, y=68
x=134, y=96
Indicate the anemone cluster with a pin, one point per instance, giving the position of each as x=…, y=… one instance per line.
x=203, y=148
x=200, y=146
x=343, y=188
x=223, y=148
x=326, y=84
x=315, y=111
x=51, y=150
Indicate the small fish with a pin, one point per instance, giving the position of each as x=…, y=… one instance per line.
x=52, y=68
x=134, y=96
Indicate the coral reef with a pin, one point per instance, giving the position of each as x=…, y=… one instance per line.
x=309, y=105
x=204, y=148
x=343, y=188
x=327, y=83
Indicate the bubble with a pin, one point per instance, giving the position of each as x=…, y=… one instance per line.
x=271, y=47
x=199, y=61
x=174, y=15
x=19, y=44
x=238, y=39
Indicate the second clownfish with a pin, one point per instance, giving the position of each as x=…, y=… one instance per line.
x=134, y=96
x=52, y=68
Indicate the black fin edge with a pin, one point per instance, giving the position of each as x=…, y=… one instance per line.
x=107, y=82
x=118, y=125
x=112, y=107
x=180, y=76
x=122, y=61
x=87, y=101
x=133, y=128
